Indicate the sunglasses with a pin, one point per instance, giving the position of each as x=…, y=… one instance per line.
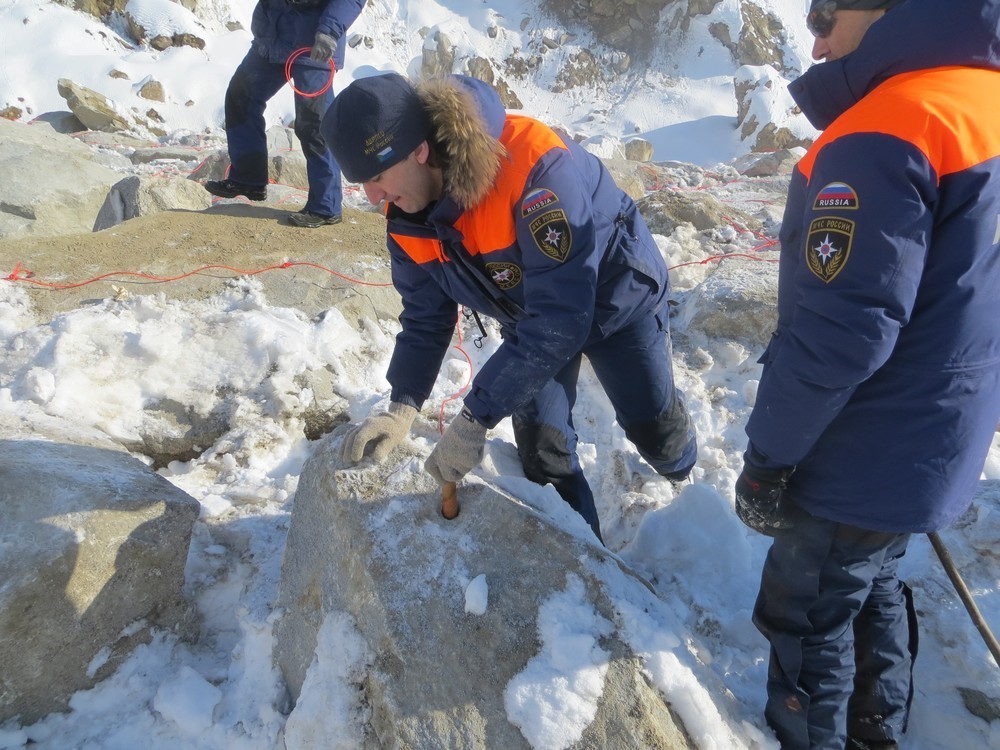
x=820, y=20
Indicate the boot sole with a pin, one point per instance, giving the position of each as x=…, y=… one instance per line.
x=306, y=224
x=249, y=194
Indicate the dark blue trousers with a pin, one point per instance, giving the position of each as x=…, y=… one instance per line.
x=635, y=369
x=842, y=630
x=253, y=84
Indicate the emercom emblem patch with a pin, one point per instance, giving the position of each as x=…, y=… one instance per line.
x=828, y=246
x=504, y=275
x=552, y=234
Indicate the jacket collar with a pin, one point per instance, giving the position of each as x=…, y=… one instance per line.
x=917, y=35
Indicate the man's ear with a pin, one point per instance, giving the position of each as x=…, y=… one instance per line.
x=422, y=153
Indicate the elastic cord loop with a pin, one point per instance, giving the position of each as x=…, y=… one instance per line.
x=288, y=74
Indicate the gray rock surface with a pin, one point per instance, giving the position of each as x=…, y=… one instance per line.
x=737, y=301
x=52, y=185
x=93, y=547
x=137, y=196
x=371, y=542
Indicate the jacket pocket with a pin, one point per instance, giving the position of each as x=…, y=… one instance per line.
x=626, y=250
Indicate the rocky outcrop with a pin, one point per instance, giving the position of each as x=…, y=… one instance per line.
x=580, y=69
x=93, y=547
x=97, y=112
x=766, y=114
x=160, y=23
x=664, y=210
x=137, y=196
x=760, y=40
x=738, y=301
x=769, y=164
x=630, y=26
x=94, y=110
x=610, y=147
x=446, y=618
x=437, y=54
x=52, y=184
x=638, y=149
x=481, y=68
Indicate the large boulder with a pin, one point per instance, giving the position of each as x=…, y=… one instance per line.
x=147, y=194
x=51, y=185
x=665, y=210
x=93, y=547
x=452, y=616
x=738, y=301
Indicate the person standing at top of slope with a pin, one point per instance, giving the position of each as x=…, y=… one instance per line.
x=880, y=391
x=501, y=214
x=280, y=27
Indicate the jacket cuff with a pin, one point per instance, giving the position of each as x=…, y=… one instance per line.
x=480, y=411
x=757, y=460
x=406, y=398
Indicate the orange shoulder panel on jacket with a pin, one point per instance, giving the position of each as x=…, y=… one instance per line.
x=490, y=225
x=420, y=249
x=951, y=114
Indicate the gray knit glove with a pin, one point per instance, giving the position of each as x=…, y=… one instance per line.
x=385, y=430
x=323, y=46
x=458, y=451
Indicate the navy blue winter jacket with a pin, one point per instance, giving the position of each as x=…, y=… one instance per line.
x=552, y=249
x=280, y=27
x=881, y=383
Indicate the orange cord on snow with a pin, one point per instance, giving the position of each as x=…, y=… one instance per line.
x=24, y=275
x=460, y=391
x=20, y=274
x=288, y=73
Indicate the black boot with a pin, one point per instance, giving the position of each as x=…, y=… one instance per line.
x=230, y=189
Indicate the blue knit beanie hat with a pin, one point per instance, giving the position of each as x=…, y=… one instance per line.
x=374, y=123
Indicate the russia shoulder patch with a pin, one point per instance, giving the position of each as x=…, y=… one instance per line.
x=552, y=234
x=537, y=199
x=836, y=195
x=828, y=246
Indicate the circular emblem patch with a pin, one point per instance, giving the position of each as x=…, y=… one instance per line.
x=504, y=275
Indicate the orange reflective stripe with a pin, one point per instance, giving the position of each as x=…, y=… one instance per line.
x=490, y=225
x=420, y=249
x=951, y=114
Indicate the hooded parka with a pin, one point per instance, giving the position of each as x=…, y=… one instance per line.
x=533, y=231
x=881, y=384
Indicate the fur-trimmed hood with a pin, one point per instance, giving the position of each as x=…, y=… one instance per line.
x=467, y=119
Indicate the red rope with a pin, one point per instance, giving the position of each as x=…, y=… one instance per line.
x=288, y=73
x=19, y=274
x=460, y=391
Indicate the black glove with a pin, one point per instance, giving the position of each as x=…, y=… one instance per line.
x=323, y=47
x=760, y=499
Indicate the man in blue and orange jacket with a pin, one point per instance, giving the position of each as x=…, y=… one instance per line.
x=281, y=28
x=499, y=213
x=880, y=392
